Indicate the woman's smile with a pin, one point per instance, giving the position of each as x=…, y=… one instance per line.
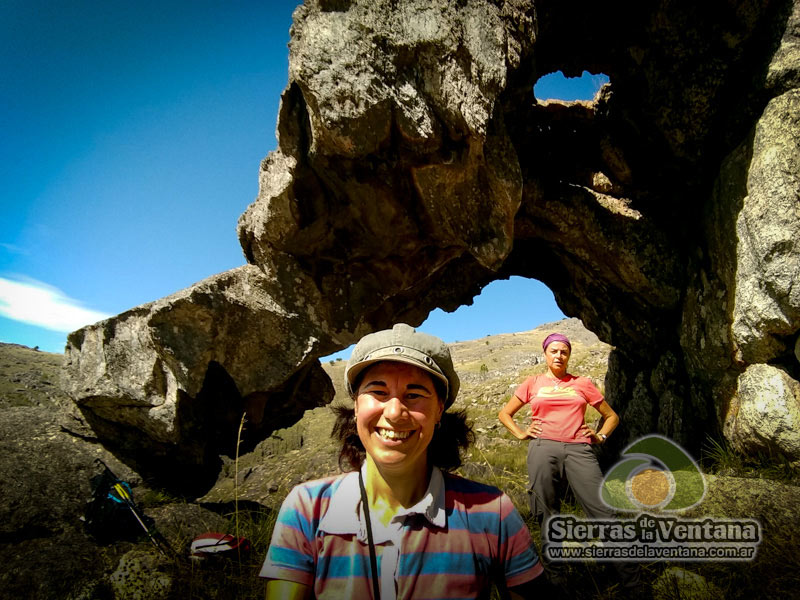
x=393, y=434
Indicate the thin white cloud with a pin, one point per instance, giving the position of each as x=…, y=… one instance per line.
x=14, y=249
x=37, y=303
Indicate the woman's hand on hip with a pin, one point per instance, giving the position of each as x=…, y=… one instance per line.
x=587, y=431
x=534, y=430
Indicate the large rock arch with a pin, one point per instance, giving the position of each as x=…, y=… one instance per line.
x=414, y=166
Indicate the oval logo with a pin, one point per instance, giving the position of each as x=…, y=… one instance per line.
x=655, y=473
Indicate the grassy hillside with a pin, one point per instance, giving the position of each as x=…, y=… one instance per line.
x=29, y=377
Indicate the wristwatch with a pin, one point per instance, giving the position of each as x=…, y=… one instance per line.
x=602, y=436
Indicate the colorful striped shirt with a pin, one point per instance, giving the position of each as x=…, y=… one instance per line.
x=452, y=544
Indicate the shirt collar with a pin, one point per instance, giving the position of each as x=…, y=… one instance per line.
x=431, y=506
x=344, y=511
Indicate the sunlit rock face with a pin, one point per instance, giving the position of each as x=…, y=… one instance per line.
x=394, y=167
x=166, y=385
x=767, y=413
x=414, y=166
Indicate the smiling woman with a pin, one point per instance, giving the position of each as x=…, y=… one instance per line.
x=396, y=505
x=397, y=409
x=560, y=440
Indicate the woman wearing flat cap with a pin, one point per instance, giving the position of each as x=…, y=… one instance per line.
x=397, y=524
x=560, y=440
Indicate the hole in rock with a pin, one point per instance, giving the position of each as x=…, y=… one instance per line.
x=504, y=306
x=556, y=86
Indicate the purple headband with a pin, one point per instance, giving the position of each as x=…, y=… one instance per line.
x=556, y=337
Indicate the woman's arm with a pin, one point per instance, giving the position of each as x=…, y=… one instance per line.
x=506, y=417
x=610, y=422
x=278, y=589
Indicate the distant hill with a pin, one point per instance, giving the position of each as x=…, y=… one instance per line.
x=29, y=377
x=511, y=356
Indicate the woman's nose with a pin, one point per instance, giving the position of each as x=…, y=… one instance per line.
x=393, y=408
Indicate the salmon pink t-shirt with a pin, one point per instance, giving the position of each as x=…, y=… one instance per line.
x=560, y=405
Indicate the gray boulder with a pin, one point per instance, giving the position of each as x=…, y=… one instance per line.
x=165, y=385
x=765, y=414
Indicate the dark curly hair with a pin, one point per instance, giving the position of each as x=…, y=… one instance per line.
x=453, y=435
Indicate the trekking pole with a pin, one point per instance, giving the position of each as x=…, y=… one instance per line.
x=126, y=498
x=123, y=496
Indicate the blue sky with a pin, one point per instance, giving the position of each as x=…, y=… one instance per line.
x=132, y=136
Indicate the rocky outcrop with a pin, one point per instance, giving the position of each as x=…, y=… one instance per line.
x=394, y=185
x=166, y=384
x=767, y=300
x=738, y=334
x=764, y=413
x=414, y=166
x=46, y=475
x=767, y=414
x=44, y=487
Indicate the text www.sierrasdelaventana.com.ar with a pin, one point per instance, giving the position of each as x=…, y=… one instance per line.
x=651, y=537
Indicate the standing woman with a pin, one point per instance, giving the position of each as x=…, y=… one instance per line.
x=398, y=525
x=560, y=440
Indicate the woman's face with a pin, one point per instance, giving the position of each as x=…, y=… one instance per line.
x=557, y=356
x=397, y=409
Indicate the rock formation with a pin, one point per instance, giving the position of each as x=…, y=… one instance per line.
x=165, y=384
x=414, y=166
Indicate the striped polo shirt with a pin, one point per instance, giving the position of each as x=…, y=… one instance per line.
x=452, y=544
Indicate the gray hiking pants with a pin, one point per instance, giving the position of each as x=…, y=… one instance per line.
x=548, y=462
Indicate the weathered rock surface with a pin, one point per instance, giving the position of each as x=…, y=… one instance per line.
x=166, y=384
x=767, y=415
x=394, y=169
x=44, y=487
x=140, y=576
x=686, y=584
x=414, y=166
x=766, y=311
